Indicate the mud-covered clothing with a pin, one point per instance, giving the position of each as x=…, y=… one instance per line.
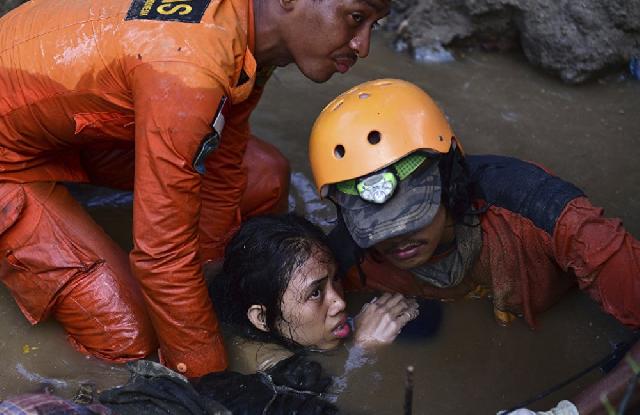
x=540, y=235
x=84, y=82
x=249, y=356
x=84, y=262
x=154, y=389
x=44, y=403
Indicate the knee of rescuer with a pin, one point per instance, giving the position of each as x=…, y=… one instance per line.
x=121, y=345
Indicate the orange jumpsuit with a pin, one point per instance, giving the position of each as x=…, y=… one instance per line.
x=84, y=81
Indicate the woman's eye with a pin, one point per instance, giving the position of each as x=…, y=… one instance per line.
x=315, y=294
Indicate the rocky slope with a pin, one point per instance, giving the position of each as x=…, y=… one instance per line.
x=574, y=39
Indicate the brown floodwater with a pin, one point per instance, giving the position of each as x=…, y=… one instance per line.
x=496, y=103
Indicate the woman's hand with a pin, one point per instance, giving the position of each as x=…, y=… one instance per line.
x=380, y=320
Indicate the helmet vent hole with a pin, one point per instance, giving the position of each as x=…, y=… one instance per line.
x=363, y=95
x=374, y=137
x=338, y=105
x=338, y=151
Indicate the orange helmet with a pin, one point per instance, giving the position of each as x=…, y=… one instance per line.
x=372, y=126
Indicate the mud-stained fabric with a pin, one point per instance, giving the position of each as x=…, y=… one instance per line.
x=90, y=275
x=56, y=261
x=156, y=389
x=603, y=256
x=266, y=191
x=293, y=386
x=413, y=206
x=451, y=269
x=84, y=75
x=523, y=188
x=533, y=254
x=249, y=356
x=44, y=403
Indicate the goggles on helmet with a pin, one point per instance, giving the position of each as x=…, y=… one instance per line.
x=379, y=186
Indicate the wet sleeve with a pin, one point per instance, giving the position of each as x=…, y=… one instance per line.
x=174, y=106
x=603, y=256
x=225, y=180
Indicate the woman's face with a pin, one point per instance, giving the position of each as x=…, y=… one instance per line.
x=313, y=308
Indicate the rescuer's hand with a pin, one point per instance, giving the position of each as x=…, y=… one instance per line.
x=381, y=320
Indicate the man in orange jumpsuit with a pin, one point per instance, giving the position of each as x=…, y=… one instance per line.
x=153, y=95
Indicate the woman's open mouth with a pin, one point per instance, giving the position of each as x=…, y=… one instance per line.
x=342, y=330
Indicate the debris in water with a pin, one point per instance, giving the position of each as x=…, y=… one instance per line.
x=634, y=67
x=28, y=349
x=37, y=378
x=432, y=54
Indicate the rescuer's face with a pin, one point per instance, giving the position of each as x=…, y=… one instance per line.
x=328, y=36
x=415, y=248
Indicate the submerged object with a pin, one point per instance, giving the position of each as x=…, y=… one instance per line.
x=435, y=53
x=427, y=323
x=634, y=67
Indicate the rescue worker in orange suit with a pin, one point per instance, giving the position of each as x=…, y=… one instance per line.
x=418, y=217
x=152, y=95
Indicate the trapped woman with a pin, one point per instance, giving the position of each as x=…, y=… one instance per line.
x=279, y=286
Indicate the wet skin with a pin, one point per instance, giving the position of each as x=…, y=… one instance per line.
x=416, y=248
x=313, y=307
x=328, y=36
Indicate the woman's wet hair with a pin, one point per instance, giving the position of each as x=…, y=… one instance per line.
x=259, y=262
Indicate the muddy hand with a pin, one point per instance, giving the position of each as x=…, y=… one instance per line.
x=381, y=320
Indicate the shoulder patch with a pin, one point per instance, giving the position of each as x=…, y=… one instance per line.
x=212, y=140
x=185, y=11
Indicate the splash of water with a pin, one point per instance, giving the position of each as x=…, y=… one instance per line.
x=37, y=378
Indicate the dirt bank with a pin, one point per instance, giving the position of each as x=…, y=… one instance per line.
x=575, y=40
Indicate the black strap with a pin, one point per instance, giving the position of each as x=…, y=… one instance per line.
x=606, y=364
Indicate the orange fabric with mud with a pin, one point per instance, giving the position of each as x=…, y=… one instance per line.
x=57, y=261
x=526, y=271
x=76, y=75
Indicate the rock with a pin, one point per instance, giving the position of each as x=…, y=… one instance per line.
x=7, y=5
x=575, y=39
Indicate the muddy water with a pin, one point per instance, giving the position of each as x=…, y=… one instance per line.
x=496, y=104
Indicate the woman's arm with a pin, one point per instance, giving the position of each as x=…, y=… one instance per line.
x=381, y=320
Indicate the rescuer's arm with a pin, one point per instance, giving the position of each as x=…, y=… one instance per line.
x=175, y=105
x=225, y=181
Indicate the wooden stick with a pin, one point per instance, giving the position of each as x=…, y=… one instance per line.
x=408, y=391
